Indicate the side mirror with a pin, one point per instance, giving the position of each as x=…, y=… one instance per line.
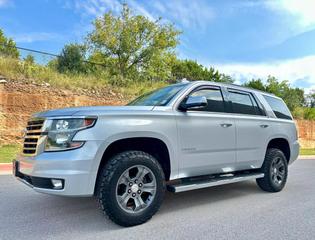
x=194, y=102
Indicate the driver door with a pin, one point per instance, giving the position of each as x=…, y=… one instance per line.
x=206, y=136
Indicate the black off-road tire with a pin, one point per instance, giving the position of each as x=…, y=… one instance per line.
x=111, y=173
x=267, y=183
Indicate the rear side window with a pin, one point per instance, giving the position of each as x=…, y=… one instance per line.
x=278, y=107
x=214, y=99
x=243, y=103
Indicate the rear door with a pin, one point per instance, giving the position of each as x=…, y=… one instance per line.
x=252, y=129
x=206, y=136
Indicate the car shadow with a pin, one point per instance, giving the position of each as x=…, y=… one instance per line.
x=87, y=208
x=63, y=215
x=177, y=201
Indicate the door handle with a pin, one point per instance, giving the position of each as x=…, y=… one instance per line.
x=264, y=125
x=226, y=125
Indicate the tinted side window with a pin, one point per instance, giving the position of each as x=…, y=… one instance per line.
x=214, y=98
x=278, y=107
x=243, y=103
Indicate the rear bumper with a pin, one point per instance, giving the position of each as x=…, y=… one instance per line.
x=295, y=150
x=75, y=168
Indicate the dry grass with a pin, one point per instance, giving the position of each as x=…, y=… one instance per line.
x=21, y=71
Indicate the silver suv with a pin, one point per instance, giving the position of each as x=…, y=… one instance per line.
x=181, y=137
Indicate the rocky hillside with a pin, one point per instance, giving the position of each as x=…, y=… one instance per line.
x=18, y=100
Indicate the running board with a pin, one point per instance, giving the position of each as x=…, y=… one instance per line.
x=212, y=181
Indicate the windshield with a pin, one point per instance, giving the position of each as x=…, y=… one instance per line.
x=159, y=97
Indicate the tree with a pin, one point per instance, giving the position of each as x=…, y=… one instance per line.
x=8, y=46
x=188, y=69
x=192, y=70
x=29, y=59
x=256, y=84
x=294, y=97
x=311, y=99
x=133, y=42
x=72, y=59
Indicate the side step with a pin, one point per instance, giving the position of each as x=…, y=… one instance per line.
x=211, y=181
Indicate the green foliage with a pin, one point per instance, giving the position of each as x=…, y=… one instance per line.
x=134, y=44
x=29, y=59
x=307, y=151
x=8, y=153
x=310, y=99
x=300, y=107
x=293, y=97
x=72, y=59
x=101, y=81
x=309, y=113
x=8, y=47
x=256, y=84
x=304, y=113
x=192, y=70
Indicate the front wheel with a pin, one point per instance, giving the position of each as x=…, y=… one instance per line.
x=275, y=168
x=132, y=188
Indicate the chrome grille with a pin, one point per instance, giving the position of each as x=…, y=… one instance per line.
x=32, y=135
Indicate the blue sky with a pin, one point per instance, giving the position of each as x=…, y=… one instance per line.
x=242, y=38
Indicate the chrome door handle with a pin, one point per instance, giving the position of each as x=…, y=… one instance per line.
x=226, y=125
x=264, y=125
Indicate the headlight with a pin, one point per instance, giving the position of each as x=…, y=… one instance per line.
x=60, y=132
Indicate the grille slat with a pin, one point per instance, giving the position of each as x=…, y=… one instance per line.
x=26, y=148
x=34, y=127
x=33, y=133
x=30, y=140
x=30, y=145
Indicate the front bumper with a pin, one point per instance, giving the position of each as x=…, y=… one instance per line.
x=77, y=169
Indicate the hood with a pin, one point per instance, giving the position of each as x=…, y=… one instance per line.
x=91, y=111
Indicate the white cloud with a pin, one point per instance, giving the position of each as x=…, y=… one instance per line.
x=36, y=37
x=190, y=14
x=302, y=10
x=97, y=7
x=140, y=9
x=299, y=72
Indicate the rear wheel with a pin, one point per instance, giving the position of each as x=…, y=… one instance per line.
x=275, y=168
x=132, y=188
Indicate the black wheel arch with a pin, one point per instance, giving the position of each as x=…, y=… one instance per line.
x=153, y=146
x=282, y=144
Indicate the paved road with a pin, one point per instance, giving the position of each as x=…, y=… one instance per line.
x=235, y=211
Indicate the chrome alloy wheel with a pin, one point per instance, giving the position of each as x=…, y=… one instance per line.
x=277, y=170
x=135, y=189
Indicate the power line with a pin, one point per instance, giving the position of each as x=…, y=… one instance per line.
x=48, y=54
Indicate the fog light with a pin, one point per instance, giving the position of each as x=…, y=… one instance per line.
x=56, y=183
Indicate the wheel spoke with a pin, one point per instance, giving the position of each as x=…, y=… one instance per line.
x=141, y=173
x=139, y=204
x=281, y=173
x=279, y=164
x=273, y=177
x=125, y=179
x=149, y=187
x=123, y=200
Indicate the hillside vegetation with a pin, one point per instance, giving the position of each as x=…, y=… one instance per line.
x=17, y=70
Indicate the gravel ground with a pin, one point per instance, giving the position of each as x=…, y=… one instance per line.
x=235, y=211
